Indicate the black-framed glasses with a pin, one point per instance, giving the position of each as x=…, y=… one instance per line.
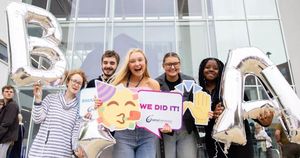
x=175, y=64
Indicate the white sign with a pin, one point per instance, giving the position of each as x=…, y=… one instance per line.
x=87, y=101
x=159, y=108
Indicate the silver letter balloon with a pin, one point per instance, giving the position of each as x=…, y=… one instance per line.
x=229, y=127
x=22, y=46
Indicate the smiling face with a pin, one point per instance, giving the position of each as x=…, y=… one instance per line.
x=211, y=70
x=74, y=84
x=109, y=66
x=137, y=64
x=171, y=66
x=122, y=111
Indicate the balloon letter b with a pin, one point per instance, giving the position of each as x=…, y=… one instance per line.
x=22, y=46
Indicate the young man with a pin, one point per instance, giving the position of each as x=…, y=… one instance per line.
x=9, y=124
x=109, y=63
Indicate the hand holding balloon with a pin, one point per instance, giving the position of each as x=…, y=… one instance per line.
x=266, y=116
x=79, y=152
x=37, y=91
x=218, y=110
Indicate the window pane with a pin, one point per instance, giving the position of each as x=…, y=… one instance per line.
x=192, y=45
x=88, y=48
x=63, y=8
x=213, y=39
x=166, y=8
x=251, y=93
x=261, y=9
x=159, y=39
x=230, y=35
x=39, y=3
x=228, y=9
x=127, y=36
x=250, y=80
x=190, y=8
x=3, y=51
x=266, y=35
x=92, y=8
x=128, y=8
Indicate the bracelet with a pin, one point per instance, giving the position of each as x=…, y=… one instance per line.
x=36, y=103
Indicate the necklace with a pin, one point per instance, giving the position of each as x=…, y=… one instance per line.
x=128, y=81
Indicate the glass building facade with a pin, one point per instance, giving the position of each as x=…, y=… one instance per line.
x=195, y=29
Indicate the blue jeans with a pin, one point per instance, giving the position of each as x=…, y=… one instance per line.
x=137, y=143
x=180, y=145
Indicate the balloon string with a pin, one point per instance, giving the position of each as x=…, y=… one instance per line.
x=216, y=148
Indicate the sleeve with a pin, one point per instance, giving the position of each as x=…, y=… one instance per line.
x=91, y=84
x=266, y=136
x=75, y=132
x=40, y=110
x=10, y=115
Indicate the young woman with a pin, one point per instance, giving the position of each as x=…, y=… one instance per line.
x=58, y=116
x=210, y=72
x=181, y=143
x=137, y=143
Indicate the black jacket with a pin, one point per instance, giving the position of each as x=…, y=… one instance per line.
x=188, y=119
x=9, y=122
x=91, y=83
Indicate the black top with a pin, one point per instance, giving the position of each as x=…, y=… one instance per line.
x=188, y=119
x=91, y=83
x=9, y=122
x=172, y=85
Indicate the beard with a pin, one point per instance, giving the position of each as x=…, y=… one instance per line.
x=108, y=72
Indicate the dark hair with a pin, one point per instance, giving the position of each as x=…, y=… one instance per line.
x=201, y=78
x=8, y=87
x=170, y=54
x=111, y=53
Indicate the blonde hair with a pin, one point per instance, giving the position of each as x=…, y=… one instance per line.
x=124, y=72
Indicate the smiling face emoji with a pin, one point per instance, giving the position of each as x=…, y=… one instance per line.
x=121, y=111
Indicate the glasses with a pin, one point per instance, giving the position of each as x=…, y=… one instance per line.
x=175, y=64
x=74, y=81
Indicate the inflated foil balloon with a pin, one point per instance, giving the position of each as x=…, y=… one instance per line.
x=22, y=46
x=229, y=127
x=94, y=139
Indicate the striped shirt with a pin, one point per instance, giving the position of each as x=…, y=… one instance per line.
x=59, y=125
